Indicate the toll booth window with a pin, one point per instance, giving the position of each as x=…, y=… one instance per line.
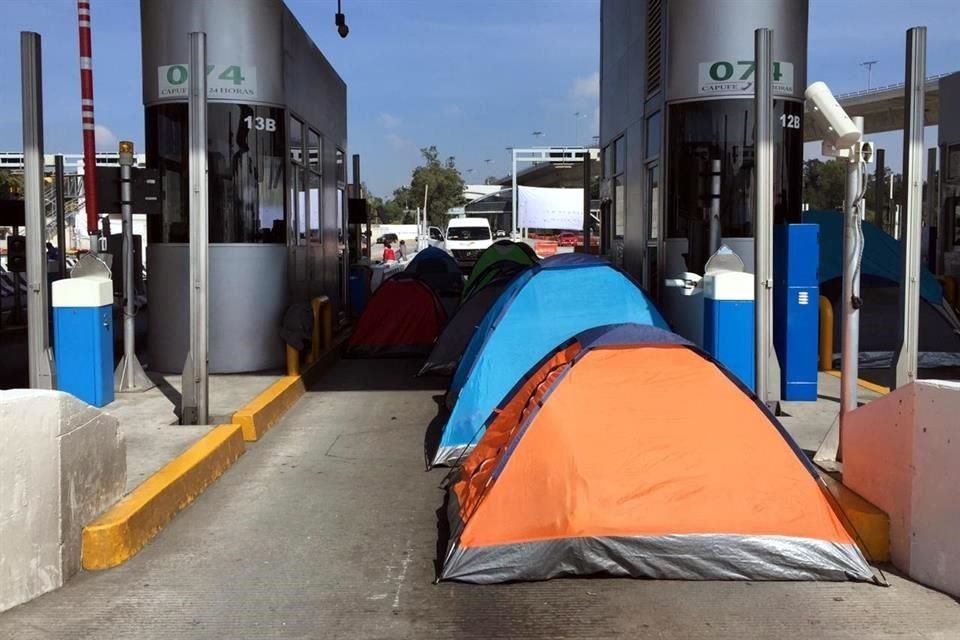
x=245, y=157
x=314, y=150
x=341, y=170
x=296, y=140
x=702, y=132
x=246, y=168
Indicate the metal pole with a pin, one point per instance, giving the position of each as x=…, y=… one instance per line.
x=129, y=375
x=58, y=176
x=586, y=203
x=930, y=204
x=195, y=375
x=879, y=177
x=357, y=193
x=905, y=363
x=767, y=370
x=715, y=237
x=850, y=284
x=86, y=110
x=944, y=228
x=514, y=196
x=426, y=193
x=893, y=211
x=38, y=330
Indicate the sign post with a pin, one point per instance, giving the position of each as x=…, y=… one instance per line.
x=40, y=357
x=195, y=370
x=767, y=369
x=906, y=359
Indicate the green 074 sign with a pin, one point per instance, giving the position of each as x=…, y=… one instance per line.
x=737, y=76
x=223, y=80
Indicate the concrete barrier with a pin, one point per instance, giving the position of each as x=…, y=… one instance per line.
x=62, y=463
x=902, y=453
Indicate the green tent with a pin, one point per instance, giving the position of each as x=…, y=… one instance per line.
x=500, y=251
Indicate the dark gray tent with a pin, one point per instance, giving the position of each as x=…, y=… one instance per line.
x=453, y=340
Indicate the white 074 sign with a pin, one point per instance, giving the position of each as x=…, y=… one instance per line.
x=721, y=77
x=223, y=81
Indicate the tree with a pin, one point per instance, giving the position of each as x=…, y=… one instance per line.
x=11, y=185
x=824, y=184
x=440, y=180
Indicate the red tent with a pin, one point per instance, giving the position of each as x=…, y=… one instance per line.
x=403, y=317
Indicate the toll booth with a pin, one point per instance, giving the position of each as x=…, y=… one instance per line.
x=676, y=128
x=948, y=133
x=277, y=141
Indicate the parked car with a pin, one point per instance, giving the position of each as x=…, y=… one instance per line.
x=568, y=239
x=466, y=238
x=388, y=237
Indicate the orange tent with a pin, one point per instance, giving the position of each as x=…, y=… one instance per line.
x=629, y=452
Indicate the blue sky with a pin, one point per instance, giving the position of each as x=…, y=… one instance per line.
x=470, y=76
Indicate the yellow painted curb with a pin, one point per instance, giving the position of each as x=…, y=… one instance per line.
x=870, y=526
x=267, y=408
x=121, y=532
x=869, y=386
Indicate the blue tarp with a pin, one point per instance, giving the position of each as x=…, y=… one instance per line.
x=881, y=254
x=544, y=306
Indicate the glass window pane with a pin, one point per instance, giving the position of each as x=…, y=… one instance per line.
x=653, y=135
x=653, y=201
x=314, y=149
x=620, y=153
x=296, y=139
x=314, y=190
x=619, y=207
x=246, y=170
x=299, y=188
x=341, y=170
x=608, y=161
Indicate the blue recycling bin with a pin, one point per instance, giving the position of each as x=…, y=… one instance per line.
x=728, y=322
x=359, y=289
x=83, y=338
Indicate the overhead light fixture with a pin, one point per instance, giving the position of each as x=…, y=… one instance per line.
x=341, y=22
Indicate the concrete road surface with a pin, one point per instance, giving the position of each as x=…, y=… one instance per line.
x=326, y=529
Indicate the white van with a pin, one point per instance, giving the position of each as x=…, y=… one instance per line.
x=466, y=239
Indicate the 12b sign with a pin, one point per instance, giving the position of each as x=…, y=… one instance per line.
x=223, y=81
x=722, y=77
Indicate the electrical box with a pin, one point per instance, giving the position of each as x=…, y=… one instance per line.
x=83, y=338
x=796, y=310
x=728, y=322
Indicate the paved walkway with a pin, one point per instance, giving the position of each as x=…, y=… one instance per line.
x=327, y=529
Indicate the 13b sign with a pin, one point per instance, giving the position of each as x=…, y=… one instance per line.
x=736, y=76
x=223, y=81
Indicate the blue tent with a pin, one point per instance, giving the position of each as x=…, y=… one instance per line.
x=547, y=304
x=881, y=254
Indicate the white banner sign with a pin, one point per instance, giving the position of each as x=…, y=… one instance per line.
x=223, y=81
x=548, y=208
x=736, y=76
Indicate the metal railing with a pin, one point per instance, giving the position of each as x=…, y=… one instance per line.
x=888, y=87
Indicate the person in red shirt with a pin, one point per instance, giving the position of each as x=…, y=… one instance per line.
x=388, y=253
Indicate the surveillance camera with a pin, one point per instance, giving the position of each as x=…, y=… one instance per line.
x=842, y=133
x=342, y=27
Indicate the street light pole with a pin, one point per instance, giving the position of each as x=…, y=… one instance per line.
x=129, y=375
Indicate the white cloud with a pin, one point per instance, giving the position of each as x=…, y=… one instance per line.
x=389, y=121
x=396, y=140
x=107, y=140
x=588, y=86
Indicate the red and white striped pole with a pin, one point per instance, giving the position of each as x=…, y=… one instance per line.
x=86, y=108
